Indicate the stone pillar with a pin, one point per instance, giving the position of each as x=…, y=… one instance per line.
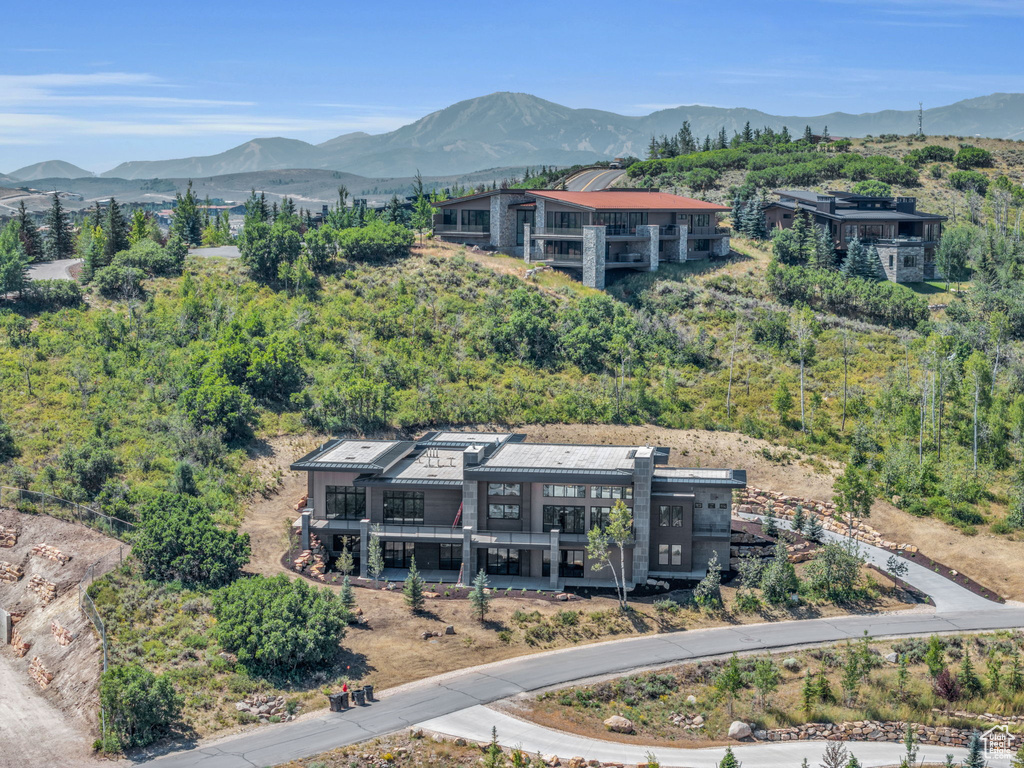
x=6, y=627
x=723, y=247
x=553, y=572
x=651, y=232
x=527, y=251
x=364, y=547
x=684, y=243
x=305, y=529
x=593, y=256
x=643, y=474
x=468, y=569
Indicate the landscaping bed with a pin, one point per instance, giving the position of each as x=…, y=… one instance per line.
x=953, y=575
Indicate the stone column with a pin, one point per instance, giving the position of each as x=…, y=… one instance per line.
x=364, y=547
x=593, y=256
x=468, y=569
x=724, y=247
x=553, y=573
x=684, y=243
x=304, y=517
x=643, y=474
x=527, y=251
x=651, y=232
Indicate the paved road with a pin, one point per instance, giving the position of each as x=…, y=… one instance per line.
x=53, y=270
x=590, y=181
x=475, y=724
x=441, y=696
x=223, y=252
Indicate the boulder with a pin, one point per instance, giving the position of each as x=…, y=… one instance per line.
x=618, y=724
x=459, y=742
x=739, y=730
x=691, y=699
x=449, y=630
x=892, y=658
x=550, y=760
x=577, y=762
x=698, y=720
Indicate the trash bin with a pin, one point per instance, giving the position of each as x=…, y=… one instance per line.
x=335, y=699
x=368, y=690
x=344, y=701
x=359, y=698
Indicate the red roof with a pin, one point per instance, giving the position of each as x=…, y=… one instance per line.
x=619, y=200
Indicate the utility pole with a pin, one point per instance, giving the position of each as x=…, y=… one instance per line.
x=920, y=118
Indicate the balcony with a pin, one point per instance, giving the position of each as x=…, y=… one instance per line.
x=709, y=231
x=559, y=232
x=711, y=530
x=526, y=540
x=668, y=230
x=463, y=229
x=421, y=532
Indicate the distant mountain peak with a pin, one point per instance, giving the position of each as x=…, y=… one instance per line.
x=50, y=169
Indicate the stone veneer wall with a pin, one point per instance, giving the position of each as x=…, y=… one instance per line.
x=650, y=245
x=722, y=247
x=899, y=273
x=593, y=256
x=681, y=244
x=867, y=730
x=503, y=220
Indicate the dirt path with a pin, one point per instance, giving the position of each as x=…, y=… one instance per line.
x=34, y=733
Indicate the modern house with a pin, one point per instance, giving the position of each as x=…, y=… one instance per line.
x=904, y=237
x=460, y=502
x=591, y=232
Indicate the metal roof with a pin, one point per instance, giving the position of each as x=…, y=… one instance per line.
x=348, y=455
x=635, y=200
x=731, y=478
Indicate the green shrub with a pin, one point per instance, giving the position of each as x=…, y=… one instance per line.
x=176, y=539
x=52, y=294
x=972, y=157
x=968, y=180
x=377, y=241
x=150, y=258
x=117, y=282
x=276, y=624
x=139, y=706
x=566, y=619
x=539, y=633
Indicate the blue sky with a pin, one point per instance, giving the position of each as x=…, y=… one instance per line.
x=98, y=83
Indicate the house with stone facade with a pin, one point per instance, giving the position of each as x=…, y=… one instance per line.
x=904, y=237
x=587, y=232
x=460, y=502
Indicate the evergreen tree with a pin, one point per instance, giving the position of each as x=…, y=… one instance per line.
x=1015, y=679
x=779, y=579
x=854, y=264
x=975, y=753
x=935, y=657
x=808, y=695
x=93, y=257
x=729, y=760
x=808, y=134
x=784, y=137
x=687, y=144
x=769, y=524
x=799, y=518
x=824, y=688
x=766, y=678
x=872, y=267
x=347, y=594
x=13, y=271
x=723, y=139
x=708, y=593
x=59, y=242
x=479, y=596
x=29, y=233
x=824, y=250
x=375, y=556
x=140, y=227
x=652, y=149
x=747, y=136
x=116, y=230
x=970, y=684
x=825, y=135
x=813, y=530
x=187, y=223
x=413, y=588
x=729, y=681
x=902, y=677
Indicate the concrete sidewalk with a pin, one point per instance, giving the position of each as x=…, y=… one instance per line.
x=475, y=724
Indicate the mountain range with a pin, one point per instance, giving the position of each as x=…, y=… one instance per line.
x=517, y=129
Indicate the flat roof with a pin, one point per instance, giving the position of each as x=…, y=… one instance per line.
x=539, y=456
x=355, y=455
x=433, y=466
x=470, y=438
x=731, y=478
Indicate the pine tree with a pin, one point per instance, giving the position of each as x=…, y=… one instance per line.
x=140, y=227
x=808, y=134
x=970, y=684
x=479, y=597
x=766, y=678
x=975, y=753
x=652, y=149
x=902, y=677
x=799, y=518
x=375, y=556
x=824, y=249
x=706, y=147
x=347, y=594
x=854, y=264
x=824, y=688
x=729, y=681
x=784, y=136
x=808, y=695
x=995, y=673
x=935, y=657
x=814, y=530
x=29, y=234
x=59, y=242
x=1015, y=680
x=729, y=760
x=723, y=139
x=186, y=222
x=769, y=524
x=92, y=259
x=413, y=588
x=687, y=144
x=708, y=593
x=825, y=135
x=116, y=230
x=747, y=136
x=871, y=268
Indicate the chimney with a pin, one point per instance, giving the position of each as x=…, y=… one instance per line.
x=472, y=455
x=826, y=204
x=906, y=204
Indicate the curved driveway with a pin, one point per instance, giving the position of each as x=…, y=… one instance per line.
x=447, y=701
x=449, y=694
x=591, y=181
x=52, y=270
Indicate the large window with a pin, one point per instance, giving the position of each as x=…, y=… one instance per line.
x=403, y=507
x=570, y=563
x=621, y=222
x=564, y=220
x=611, y=492
x=503, y=511
x=699, y=246
x=670, y=554
x=599, y=517
x=566, y=491
x=450, y=557
x=563, y=247
x=341, y=542
x=345, y=503
x=476, y=221
x=870, y=231
x=450, y=217
x=566, y=519
x=523, y=218
x=504, y=489
x=503, y=562
x=671, y=517
x=702, y=219
x=398, y=554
